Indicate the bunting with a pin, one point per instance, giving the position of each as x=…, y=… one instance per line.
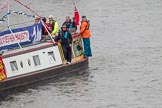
x=2, y=70
x=4, y=5
x=24, y=14
x=4, y=17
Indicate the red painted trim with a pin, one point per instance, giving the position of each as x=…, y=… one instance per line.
x=29, y=50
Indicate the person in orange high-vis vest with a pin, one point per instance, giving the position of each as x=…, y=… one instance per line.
x=85, y=35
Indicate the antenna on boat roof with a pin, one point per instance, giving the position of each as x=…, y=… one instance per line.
x=8, y=18
x=18, y=1
x=8, y=24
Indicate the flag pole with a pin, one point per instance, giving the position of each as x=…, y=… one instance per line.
x=8, y=17
x=14, y=36
x=8, y=24
x=18, y=1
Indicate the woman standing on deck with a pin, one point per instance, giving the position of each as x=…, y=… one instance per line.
x=66, y=42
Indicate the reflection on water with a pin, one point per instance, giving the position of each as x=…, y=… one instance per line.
x=125, y=70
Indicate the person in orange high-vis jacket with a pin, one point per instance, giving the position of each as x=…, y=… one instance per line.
x=85, y=35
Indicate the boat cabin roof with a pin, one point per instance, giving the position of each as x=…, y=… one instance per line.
x=27, y=48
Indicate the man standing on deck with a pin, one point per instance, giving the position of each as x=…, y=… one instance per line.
x=53, y=25
x=85, y=35
x=68, y=22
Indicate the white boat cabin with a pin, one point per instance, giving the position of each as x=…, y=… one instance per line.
x=32, y=58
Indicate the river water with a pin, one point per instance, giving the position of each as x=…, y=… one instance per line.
x=126, y=68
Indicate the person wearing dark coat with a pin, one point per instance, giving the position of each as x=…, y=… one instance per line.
x=68, y=22
x=66, y=41
x=74, y=24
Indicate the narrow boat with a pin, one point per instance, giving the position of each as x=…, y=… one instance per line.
x=25, y=58
x=35, y=61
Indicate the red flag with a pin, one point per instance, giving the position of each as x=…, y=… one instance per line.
x=2, y=70
x=76, y=16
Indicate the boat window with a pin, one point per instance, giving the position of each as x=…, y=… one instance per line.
x=51, y=57
x=36, y=60
x=14, y=66
x=21, y=64
x=29, y=63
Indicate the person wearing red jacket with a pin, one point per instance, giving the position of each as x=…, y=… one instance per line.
x=44, y=29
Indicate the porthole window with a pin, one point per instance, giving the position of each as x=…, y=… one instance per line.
x=14, y=66
x=36, y=60
x=29, y=63
x=21, y=64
